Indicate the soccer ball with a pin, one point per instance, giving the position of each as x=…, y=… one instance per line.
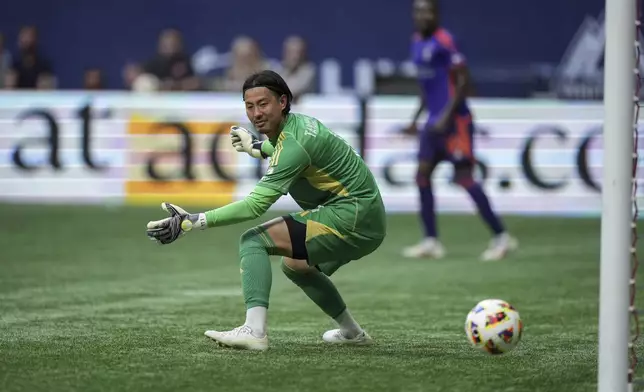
x=493, y=326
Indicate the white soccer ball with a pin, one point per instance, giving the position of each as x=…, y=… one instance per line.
x=494, y=326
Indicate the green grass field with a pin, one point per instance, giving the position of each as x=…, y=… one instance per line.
x=87, y=303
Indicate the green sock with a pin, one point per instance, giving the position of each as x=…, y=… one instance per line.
x=257, y=277
x=319, y=288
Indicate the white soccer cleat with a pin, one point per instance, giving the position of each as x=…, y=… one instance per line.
x=335, y=336
x=499, y=247
x=427, y=248
x=240, y=337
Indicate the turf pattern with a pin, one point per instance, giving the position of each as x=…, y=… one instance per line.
x=87, y=303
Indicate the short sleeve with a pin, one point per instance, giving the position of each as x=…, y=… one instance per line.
x=447, y=42
x=288, y=161
x=456, y=57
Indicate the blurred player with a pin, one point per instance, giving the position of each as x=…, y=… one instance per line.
x=447, y=136
x=343, y=217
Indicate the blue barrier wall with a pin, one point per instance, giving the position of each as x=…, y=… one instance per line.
x=500, y=33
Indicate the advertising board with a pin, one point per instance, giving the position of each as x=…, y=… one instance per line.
x=533, y=156
x=137, y=149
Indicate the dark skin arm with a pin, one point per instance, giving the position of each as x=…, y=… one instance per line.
x=462, y=85
x=411, y=129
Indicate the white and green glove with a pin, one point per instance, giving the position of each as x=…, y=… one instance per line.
x=244, y=141
x=168, y=230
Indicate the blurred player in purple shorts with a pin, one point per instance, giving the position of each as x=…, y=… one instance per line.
x=447, y=135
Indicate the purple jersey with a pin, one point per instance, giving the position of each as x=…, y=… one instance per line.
x=434, y=58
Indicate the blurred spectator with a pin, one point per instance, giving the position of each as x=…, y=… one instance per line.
x=46, y=82
x=93, y=79
x=135, y=79
x=146, y=83
x=246, y=59
x=31, y=69
x=172, y=65
x=5, y=61
x=131, y=71
x=296, y=69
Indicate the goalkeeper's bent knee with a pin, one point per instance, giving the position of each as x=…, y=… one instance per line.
x=290, y=273
x=297, y=276
x=255, y=238
x=319, y=288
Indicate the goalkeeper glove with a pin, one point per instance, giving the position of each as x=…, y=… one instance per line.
x=244, y=141
x=168, y=230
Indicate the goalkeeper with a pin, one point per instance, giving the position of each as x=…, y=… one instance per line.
x=343, y=217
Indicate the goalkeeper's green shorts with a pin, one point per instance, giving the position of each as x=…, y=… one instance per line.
x=340, y=233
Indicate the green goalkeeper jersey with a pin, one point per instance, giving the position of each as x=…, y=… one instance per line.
x=319, y=168
x=316, y=166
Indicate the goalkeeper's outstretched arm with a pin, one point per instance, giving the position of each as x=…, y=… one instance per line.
x=168, y=230
x=252, y=206
x=275, y=183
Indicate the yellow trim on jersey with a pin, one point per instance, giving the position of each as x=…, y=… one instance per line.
x=314, y=229
x=322, y=181
x=276, y=154
x=278, y=149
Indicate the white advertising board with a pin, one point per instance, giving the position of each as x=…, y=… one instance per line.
x=52, y=151
x=541, y=157
x=59, y=147
x=55, y=147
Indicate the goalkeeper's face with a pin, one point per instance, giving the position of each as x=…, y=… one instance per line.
x=264, y=109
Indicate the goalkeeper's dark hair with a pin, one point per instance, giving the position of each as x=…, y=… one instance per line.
x=272, y=81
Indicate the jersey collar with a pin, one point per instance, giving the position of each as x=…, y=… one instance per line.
x=287, y=122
